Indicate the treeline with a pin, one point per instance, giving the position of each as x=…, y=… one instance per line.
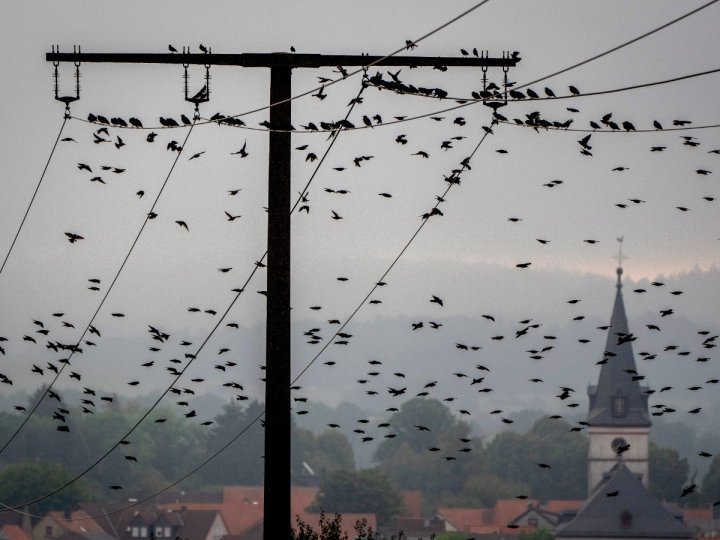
x=428, y=448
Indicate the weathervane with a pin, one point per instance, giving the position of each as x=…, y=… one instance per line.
x=621, y=258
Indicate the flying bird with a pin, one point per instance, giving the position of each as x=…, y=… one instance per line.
x=72, y=237
x=242, y=152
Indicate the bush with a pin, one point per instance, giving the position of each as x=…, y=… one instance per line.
x=330, y=529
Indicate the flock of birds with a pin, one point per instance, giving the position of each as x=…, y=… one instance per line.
x=56, y=335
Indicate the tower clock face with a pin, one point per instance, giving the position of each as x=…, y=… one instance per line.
x=618, y=443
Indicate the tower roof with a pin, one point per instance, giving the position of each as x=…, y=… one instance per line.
x=618, y=399
x=621, y=507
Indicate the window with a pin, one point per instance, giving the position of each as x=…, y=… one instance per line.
x=158, y=532
x=619, y=406
x=533, y=522
x=48, y=531
x=143, y=532
x=626, y=520
x=167, y=532
x=135, y=532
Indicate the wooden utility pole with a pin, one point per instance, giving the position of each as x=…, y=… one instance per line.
x=277, y=518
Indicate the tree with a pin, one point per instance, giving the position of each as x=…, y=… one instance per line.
x=323, y=453
x=452, y=535
x=540, y=534
x=21, y=483
x=334, y=451
x=330, y=529
x=711, y=482
x=421, y=423
x=241, y=462
x=367, y=490
x=516, y=457
x=483, y=490
x=667, y=472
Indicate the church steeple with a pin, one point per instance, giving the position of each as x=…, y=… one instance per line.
x=618, y=399
x=618, y=419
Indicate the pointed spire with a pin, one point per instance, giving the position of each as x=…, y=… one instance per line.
x=618, y=399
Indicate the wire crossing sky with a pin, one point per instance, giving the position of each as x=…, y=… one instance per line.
x=540, y=209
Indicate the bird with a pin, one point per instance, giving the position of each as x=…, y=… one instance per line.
x=183, y=225
x=72, y=237
x=242, y=152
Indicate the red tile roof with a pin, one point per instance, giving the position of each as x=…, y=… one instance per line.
x=413, y=503
x=79, y=522
x=496, y=519
x=242, y=509
x=697, y=514
x=14, y=532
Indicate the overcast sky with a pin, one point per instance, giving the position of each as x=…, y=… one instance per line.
x=468, y=256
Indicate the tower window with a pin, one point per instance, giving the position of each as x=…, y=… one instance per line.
x=626, y=520
x=619, y=406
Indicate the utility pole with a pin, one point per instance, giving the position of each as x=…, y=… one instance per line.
x=277, y=518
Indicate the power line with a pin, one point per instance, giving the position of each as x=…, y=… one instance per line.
x=194, y=356
x=102, y=302
x=579, y=130
x=464, y=166
x=409, y=44
x=545, y=98
x=545, y=77
x=622, y=45
x=32, y=199
x=472, y=101
x=483, y=138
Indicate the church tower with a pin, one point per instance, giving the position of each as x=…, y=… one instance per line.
x=619, y=421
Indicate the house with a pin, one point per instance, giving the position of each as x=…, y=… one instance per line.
x=621, y=507
x=703, y=521
x=242, y=510
x=412, y=499
x=69, y=525
x=158, y=523
x=415, y=528
x=507, y=516
x=11, y=531
x=15, y=526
